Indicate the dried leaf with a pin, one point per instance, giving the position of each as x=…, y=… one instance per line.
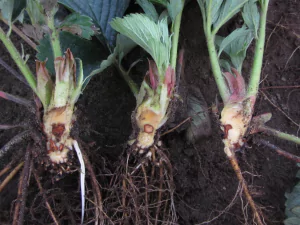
x=48, y=5
x=78, y=24
x=34, y=31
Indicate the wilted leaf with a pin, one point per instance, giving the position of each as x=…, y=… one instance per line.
x=236, y=45
x=200, y=125
x=174, y=7
x=149, y=9
x=78, y=24
x=89, y=52
x=251, y=16
x=101, y=11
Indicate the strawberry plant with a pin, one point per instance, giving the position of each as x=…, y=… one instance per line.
x=226, y=56
x=66, y=60
x=145, y=163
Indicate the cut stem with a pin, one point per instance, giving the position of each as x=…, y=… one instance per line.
x=280, y=134
x=241, y=179
x=259, y=51
x=19, y=61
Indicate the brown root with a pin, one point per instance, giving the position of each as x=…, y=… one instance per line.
x=238, y=172
x=142, y=190
x=18, y=217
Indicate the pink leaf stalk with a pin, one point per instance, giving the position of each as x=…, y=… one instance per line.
x=170, y=80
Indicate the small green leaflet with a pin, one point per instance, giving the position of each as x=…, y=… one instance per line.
x=292, y=221
x=251, y=16
x=220, y=11
x=7, y=7
x=174, y=7
x=35, y=11
x=149, y=9
x=78, y=24
x=12, y=10
x=292, y=205
x=152, y=37
x=235, y=46
x=228, y=9
x=161, y=2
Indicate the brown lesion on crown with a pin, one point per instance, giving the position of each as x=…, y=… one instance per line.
x=226, y=127
x=58, y=129
x=148, y=128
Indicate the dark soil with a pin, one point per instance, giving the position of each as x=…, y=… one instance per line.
x=205, y=182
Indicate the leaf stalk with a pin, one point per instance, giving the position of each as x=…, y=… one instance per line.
x=281, y=135
x=54, y=36
x=259, y=52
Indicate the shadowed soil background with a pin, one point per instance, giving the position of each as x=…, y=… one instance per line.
x=206, y=185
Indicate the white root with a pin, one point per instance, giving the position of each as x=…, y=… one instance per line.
x=82, y=177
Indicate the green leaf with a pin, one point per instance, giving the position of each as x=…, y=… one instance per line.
x=296, y=210
x=152, y=37
x=236, y=45
x=89, y=52
x=292, y=221
x=225, y=65
x=161, y=2
x=124, y=45
x=228, y=9
x=174, y=7
x=215, y=11
x=101, y=11
x=78, y=24
x=103, y=65
x=35, y=11
x=149, y=9
x=6, y=7
x=18, y=11
x=251, y=16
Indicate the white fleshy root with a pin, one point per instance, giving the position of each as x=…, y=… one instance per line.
x=82, y=177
